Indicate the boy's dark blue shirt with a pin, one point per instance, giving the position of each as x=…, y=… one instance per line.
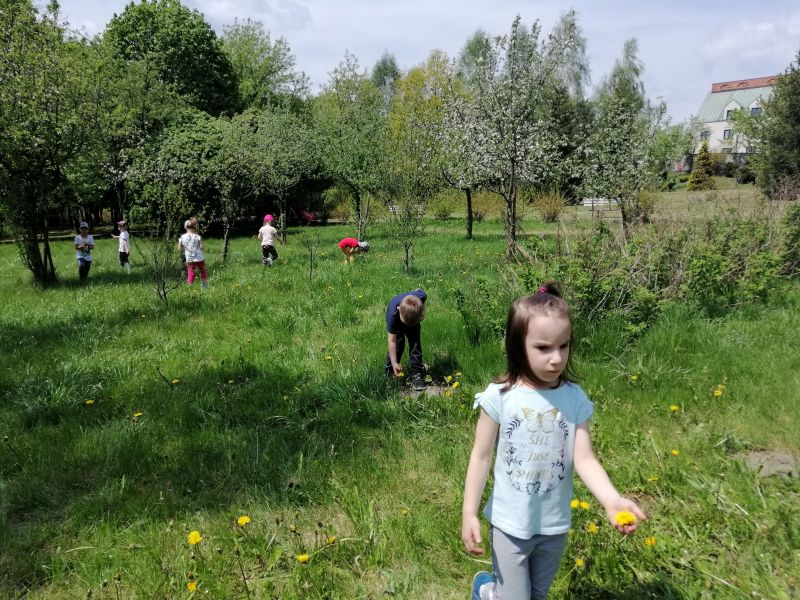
x=393, y=322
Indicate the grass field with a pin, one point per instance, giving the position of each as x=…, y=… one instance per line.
x=127, y=425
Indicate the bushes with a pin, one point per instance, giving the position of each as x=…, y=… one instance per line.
x=550, y=205
x=444, y=204
x=713, y=266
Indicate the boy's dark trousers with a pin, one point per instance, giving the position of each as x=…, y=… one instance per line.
x=414, y=350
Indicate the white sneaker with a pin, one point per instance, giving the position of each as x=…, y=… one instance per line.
x=269, y=262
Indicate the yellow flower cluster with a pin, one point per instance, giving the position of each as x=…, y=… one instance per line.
x=592, y=528
x=624, y=517
x=191, y=585
x=194, y=538
x=243, y=520
x=576, y=503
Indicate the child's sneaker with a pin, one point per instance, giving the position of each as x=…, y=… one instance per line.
x=482, y=586
x=418, y=383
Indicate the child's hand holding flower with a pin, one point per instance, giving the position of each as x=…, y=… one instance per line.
x=624, y=515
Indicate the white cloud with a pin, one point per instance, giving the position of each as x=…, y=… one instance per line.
x=747, y=43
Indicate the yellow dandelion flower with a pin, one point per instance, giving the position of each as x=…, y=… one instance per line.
x=674, y=408
x=592, y=528
x=575, y=503
x=136, y=415
x=579, y=563
x=243, y=520
x=585, y=505
x=404, y=512
x=448, y=393
x=718, y=391
x=194, y=538
x=653, y=478
x=624, y=517
x=675, y=452
x=302, y=558
x=650, y=541
x=449, y=378
x=400, y=375
x=331, y=539
x=456, y=384
x=191, y=586
x=175, y=381
x=634, y=378
x=458, y=373
x=328, y=357
x=89, y=402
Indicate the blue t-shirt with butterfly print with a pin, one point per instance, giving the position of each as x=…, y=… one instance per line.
x=533, y=461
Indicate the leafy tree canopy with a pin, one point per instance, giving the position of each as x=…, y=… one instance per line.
x=184, y=48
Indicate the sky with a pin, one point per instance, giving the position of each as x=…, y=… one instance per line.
x=685, y=45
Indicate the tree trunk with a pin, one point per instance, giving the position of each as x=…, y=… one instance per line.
x=226, y=229
x=511, y=224
x=49, y=267
x=468, y=192
x=282, y=205
x=362, y=222
x=406, y=256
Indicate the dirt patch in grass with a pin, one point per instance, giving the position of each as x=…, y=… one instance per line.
x=769, y=463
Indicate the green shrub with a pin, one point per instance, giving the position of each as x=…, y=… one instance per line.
x=443, y=205
x=550, y=205
x=790, y=241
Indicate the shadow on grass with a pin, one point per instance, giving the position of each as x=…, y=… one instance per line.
x=661, y=589
x=216, y=440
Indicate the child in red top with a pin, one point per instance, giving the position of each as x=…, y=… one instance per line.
x=351, y=246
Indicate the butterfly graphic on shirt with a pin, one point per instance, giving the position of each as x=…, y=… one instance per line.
x=544, y=422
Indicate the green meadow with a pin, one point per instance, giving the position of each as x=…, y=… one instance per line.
x=127, y=425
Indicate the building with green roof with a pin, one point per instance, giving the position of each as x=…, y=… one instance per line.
x=715, y=114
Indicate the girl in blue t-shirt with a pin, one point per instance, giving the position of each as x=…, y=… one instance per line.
x=538, y=421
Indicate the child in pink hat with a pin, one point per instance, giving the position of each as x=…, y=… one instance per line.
x=267, y=237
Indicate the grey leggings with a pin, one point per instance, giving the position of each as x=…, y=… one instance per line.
x=525, y=568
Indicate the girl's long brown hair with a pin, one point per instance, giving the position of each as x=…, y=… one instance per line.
x=546, y=300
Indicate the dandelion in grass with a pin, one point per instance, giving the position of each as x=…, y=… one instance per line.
x=191, y=586
x=400, y=375
x=592, y=528
x=624, y=517
x=243, y=520
x=653, y=478
x=634, y=378
x=448, y=393
x=675, y=452
x=328, y=357
x=650, y=541
x=579, y=563
x=449, y=378
x=331, y=539
x=194, y=538
x=719, y=390
x=404, y=512
x=458, y=373
x=302, y=558
x=136, y=415
x=575, y=503
x=674, y=408
x=456, y=384
x=89, y=402
x=585, y=505
x=175, y=381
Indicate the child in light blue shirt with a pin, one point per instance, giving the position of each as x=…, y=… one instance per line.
x=538, y=421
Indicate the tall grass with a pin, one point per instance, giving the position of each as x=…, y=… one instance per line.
x=127, y=424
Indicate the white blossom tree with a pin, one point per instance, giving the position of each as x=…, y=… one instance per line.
x=500, y=122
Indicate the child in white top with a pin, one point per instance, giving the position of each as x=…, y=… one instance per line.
x=84, y=244
x=267, y=236
x=538, y=421
x=124, y=238
x=191, y=245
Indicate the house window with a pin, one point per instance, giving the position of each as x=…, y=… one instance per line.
x=756, y=110
x=726, y=134
x=727, y=150
x=705, y=134
x=728, y=114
